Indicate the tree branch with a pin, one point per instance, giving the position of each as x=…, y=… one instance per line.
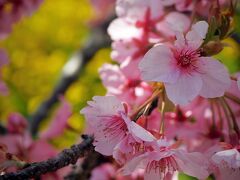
x=98, y=39
x=84, y=171
x=65, y=158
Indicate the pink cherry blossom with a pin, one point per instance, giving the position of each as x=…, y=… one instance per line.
x=135, y=142
x=125, y=83
x=19, y=143
x=163, y=161
x=182, y=69
x=16, y=124
x=123, y=50
x=134, y=10
x=105, y=116
x=59, y=120
x=227, y=163
x=104, y=172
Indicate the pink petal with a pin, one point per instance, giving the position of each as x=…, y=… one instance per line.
x=112, y=78
x=172, y=23
x=201, y=27
x=215, y=77
x=157, y=65
x=123, y=149
x=103, y=105
x=41, y=150
x=135, y=10
x=192, y=164
x=135, y=163
x=231, y=157
x=59, y=121
x=120, y=29
x=106, y=145
x=228, y=164
x=139, y=132
x=185, y=89
x=180, y=42
x=153, y=175
x=197, y=34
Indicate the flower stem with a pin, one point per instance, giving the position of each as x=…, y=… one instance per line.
x=149, y=101
x=232, y=97
x=213, y=113
x=161, y=128
x=230, y=126
x=219, y=115
x=235, y=125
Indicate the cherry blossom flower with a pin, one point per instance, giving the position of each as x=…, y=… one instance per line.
x=20, y=143
x=136, y=140
x=182, y=69
x=104, y=116
x=139, y=25
x=135, y=10
x=16, y=124
x=104, y=172
x=164, y=160
x=227, y=163
x=125, y=83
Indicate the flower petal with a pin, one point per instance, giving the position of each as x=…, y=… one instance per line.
x=120, y=29
x=138, y=131
x=215, y=77
x=185, y=89
x=157, y=65
x=201, y=27
x=197, y=34
x=192, y=164
x=134, y=164
x=103, y=105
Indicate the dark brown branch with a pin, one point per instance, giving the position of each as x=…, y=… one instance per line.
x=3, y=130
x=98, y=39
x=84, y=171
x=65, y=158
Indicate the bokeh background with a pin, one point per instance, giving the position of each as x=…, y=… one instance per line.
x=41, y=44
x=38, y=47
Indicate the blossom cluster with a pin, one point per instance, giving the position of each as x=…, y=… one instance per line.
x=170, y=105
x=18, y=147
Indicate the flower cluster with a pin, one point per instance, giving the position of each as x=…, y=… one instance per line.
x=170, y=105
x=18, y=146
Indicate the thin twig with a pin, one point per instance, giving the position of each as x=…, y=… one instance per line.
x=64, y=158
